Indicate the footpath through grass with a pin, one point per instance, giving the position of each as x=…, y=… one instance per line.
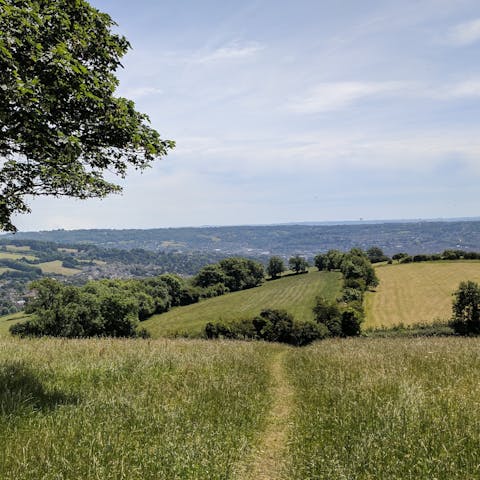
x=295, y=293
x=386, y=409
x=113, y=409
x=417, y=293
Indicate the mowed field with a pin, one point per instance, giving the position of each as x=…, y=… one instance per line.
x=295, y=293
x=417, y=292
x=191, y=409
x=56, y=267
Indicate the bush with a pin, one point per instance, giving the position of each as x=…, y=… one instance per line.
x=328, y=314
x=352, y=319
x=271, y=326
x=352, y=295
x=466, y=309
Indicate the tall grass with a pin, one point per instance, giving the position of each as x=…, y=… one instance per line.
x=113, y=409
x=386, y=409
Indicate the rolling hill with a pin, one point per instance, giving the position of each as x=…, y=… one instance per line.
x=294, y=293
x=417, y=292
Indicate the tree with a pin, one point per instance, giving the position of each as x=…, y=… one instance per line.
x=209, y=275
x=241, y=273
x=376, y=255
x=61, y=126
x=298, y=264
x=328, y=313
x=275, y=267
x=321, y=261
x=466, y=308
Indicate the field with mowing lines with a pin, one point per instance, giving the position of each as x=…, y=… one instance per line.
x=294, y=293
x=386, y=409
x=417, y=292
x=56, y=267
x=113, y=409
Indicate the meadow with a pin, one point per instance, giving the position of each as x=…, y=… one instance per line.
x=385, y=409
x=416, y=292
x=295, y=293
x=113, y=409
x=192, y=409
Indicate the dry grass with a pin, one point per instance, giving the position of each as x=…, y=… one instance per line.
x=294, y=293
x=269, y=458
x=16, y=256
x=56, y=267
x=17, y=248
x=417, y=293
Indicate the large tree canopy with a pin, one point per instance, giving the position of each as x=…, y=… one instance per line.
x=61, y=126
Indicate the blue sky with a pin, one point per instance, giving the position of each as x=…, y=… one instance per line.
x=283, y=111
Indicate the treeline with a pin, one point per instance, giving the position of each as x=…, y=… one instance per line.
x=446, y=255
x=103, y=307
x=78, y=255
x=340, y=318
x=115, y=307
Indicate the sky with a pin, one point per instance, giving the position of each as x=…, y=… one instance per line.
x=286, y=111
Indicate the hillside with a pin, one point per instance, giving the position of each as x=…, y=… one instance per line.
x=294, y=293
x=260, y=240
x=417, y=292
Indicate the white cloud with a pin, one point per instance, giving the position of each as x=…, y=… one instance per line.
x=466, y=89
x=338, y=95
x=465, y=33
x=232, y=51
x=331, y=151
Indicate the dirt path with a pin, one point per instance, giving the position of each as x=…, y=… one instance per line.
x=267, y=462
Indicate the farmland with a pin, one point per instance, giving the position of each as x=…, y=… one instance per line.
x=417, y=293
x=191, y=409
x=295, y=293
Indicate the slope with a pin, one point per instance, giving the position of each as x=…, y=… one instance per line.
x=295, y=293
x=417, y=292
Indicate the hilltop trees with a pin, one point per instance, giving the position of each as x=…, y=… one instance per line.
x=62, y=127
x=298, y=264
x=275, y=266
x=234, y=273
x=376, y=255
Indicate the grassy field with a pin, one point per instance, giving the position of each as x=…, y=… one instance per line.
x=8, y=320
x=386, y=409
x=56, y=267
x=16, y=256
x=294, y=293
x=16, y=248
x=187, y=409
x=112, y=409
x=417, y=292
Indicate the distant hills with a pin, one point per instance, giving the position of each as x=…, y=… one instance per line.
x=425, y=236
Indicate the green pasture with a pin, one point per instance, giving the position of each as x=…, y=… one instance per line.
x=294, y=293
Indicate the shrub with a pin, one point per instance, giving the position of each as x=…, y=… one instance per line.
x=328, y=314
x=466, y=309
x=352, y=319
